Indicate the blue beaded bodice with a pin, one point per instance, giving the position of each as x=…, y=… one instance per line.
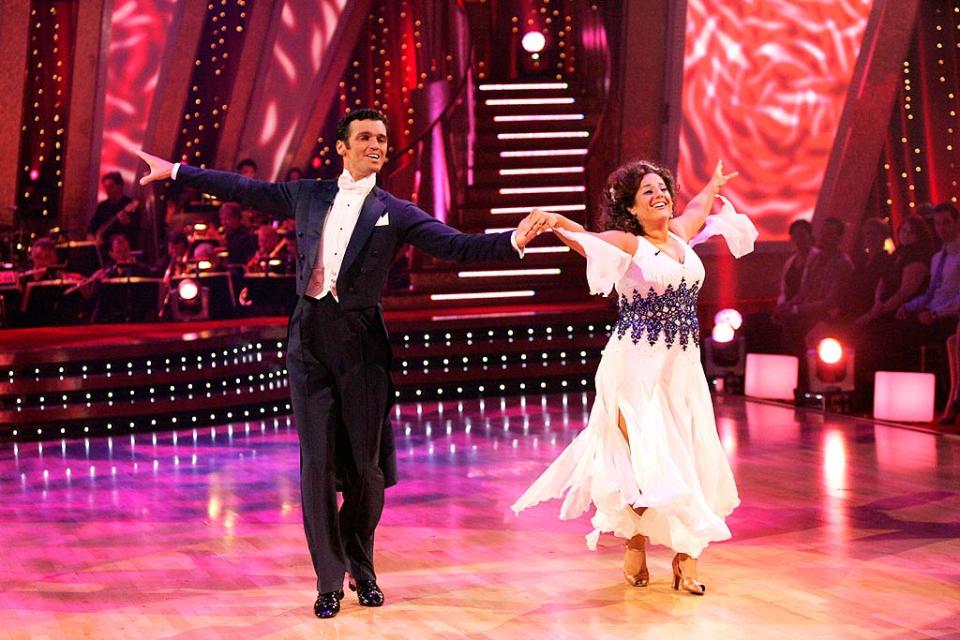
x=672, y=313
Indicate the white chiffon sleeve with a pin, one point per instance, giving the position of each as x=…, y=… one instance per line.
x=606, y=264
x=736, y=228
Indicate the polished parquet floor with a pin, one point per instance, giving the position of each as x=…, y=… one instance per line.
x=848, y=529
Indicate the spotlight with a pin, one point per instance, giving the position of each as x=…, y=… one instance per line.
x=533, y=42
x=830, y=376
x=829, y=351
x=722, y=333
x=731, y=317
x=188, y=289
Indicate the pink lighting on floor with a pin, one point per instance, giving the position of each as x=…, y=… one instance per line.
x=770, y=376
x=903, y=396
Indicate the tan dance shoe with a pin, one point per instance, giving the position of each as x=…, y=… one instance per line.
x=685, y=575
x=635, y=562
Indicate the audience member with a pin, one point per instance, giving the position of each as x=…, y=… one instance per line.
x=820, y=297
x=936, y=309
x=870, y=265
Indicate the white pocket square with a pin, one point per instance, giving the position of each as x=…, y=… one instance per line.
x=383, y=221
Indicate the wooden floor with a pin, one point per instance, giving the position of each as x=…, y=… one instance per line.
x=847, y=530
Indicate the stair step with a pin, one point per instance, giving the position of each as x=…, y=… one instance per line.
x=520, y=122
x=520, y=277
x=399, y=301
x=560, y=173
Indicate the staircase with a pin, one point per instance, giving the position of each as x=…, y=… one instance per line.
x=530, y=151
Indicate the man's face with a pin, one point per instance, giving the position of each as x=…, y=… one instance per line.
x=114, y=190
x=802, y=239
x=43, y=257
x=247, y=171
x=229, y=220
x=120, y=249
x=945, y=226
x=365, y=150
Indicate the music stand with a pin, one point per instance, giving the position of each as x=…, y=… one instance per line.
x=44, y=303
x=130, y=299
x=271, y=294
x=221, y=293
x=80, y=256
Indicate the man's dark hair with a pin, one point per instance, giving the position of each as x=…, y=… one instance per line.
x=800, y=224
x=247, y=162
x=44, y=243
x=114, y=177
x=949, y=207
x=177, y=237
x=343, y=126
x=839, y=226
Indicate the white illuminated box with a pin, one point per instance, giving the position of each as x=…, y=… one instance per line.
x=904, y=396
x=771, y=376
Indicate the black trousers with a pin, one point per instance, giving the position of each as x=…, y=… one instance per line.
x=339, y=381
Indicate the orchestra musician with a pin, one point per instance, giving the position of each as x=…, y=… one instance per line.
x=118, y=213
x=272, y=254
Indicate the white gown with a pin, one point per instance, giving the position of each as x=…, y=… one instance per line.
x=650, y=372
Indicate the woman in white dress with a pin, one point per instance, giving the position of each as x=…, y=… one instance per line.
x=649, y=460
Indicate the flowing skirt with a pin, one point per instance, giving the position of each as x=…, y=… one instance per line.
x=674, y=463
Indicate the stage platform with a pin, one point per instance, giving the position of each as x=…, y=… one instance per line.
x=848, y=529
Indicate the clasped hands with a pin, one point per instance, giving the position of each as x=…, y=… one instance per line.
x=536, y=222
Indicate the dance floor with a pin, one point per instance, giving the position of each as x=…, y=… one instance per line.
x=848, y=529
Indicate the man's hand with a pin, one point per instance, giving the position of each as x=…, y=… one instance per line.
x=160, y=169
x=536, y=222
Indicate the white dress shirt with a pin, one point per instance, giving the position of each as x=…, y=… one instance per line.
x=337, y=229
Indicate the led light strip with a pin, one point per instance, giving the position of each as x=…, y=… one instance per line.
x=542, y=153
x=504, y=102
x=540, y=117
x=560, y=249
x=539, y=171
x=548, y=207
x=475, y=316
x=543, y=134
x=509, y=272
x=483, y=295
x=501, y=229
x=520, y=190
x=523, y=86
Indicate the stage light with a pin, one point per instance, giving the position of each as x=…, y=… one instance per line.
x=722, y=333
x=533, y=42
x=731, y=317
x=188, y=289
x=829, y=351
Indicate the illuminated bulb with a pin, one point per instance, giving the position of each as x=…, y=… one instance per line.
x=829, y=351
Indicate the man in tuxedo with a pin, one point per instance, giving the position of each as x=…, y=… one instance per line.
x=338, y=352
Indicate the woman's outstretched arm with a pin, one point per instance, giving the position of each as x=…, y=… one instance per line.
x=689, y=223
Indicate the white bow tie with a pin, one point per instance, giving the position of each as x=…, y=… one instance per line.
x=349, y=185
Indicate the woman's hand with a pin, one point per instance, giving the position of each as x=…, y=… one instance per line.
x=719, y=179
x=536, y=222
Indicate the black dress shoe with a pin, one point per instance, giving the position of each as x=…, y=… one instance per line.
x=328, y=604
x=368, y=593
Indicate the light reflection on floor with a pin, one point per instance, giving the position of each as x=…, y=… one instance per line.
x=200, y=530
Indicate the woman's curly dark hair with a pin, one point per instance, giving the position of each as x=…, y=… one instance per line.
x=621, y=194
